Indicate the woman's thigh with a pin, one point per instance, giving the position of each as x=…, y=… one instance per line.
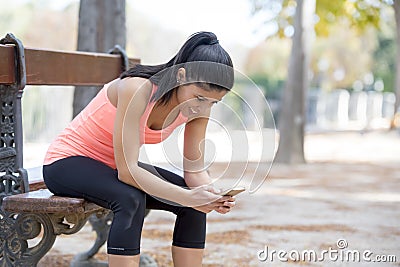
x=158, y=203
x=83, y=177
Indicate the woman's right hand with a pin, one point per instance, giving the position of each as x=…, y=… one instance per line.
x=222, y=205
x=206, y=199
x=203, y=195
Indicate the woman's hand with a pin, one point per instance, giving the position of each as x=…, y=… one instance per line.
x=225, y=204
x=221, y=205
x=201, y=196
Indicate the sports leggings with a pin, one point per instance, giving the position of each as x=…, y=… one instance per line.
x=84, y=177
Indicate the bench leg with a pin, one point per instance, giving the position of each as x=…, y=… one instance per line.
x=16, y=230
x=101, y=225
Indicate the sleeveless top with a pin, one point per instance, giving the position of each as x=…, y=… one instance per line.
x=90, y=133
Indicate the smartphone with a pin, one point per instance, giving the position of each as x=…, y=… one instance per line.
x=233, y=192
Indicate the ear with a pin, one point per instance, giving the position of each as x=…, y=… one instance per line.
x=181, y=75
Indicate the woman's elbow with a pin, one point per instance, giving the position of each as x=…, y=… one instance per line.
x=127, y=175
x=123, y=175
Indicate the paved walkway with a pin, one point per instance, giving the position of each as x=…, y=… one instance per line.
x=302, y=207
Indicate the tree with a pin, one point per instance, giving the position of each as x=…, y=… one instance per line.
x=360, y=14
x=384, y=57
x=396, y=6
x=291, y=126
x=101, y=27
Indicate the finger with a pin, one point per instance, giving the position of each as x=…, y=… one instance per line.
x=220, y=211
x=231, y=199
x=226, y=198
x=230, y=204
x=223, y=209
x=216, y=206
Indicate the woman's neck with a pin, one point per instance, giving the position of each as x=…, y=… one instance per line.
x=165, y=114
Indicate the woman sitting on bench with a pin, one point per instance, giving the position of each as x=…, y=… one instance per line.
x=96, y=156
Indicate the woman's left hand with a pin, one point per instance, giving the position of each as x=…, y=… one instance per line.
x=224, y=205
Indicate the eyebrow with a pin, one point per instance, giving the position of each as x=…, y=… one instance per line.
x=203, y=97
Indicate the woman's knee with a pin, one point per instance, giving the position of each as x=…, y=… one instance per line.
x=129, y=212
x=195, y=215
x=132, y=200
x=190, y=229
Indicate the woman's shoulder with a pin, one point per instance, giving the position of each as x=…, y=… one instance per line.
x=134, y=84
x=140, y=87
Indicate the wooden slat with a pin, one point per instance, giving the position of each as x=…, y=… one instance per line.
x=6, y=64
x=43, y=201
x=49, y=67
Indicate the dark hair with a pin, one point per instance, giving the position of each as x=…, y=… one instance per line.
x=206, y=64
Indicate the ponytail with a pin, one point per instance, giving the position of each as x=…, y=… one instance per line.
x=200, y=47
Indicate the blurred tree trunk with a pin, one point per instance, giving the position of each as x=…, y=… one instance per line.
x=101, y=27
x=396, y=6
x=292, y=116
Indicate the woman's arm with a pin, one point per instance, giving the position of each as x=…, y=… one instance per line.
x=193, y=164
x=193, y=152
x=133, y=95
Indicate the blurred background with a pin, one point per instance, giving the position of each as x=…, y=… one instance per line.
x=323, y=73
x=349, y=50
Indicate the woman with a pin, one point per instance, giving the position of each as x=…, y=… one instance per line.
x=96, y=156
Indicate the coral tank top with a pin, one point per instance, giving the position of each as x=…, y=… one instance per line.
x=90, y=133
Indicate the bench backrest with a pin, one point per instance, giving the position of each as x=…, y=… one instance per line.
x=21, y=66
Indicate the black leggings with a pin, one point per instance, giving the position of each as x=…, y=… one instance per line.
x=83, y=177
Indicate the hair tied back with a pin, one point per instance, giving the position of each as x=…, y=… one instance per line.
x=215, y=41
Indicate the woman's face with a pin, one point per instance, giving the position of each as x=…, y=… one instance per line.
x=195, y=101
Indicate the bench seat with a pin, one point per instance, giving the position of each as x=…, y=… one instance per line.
x=43, y=201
